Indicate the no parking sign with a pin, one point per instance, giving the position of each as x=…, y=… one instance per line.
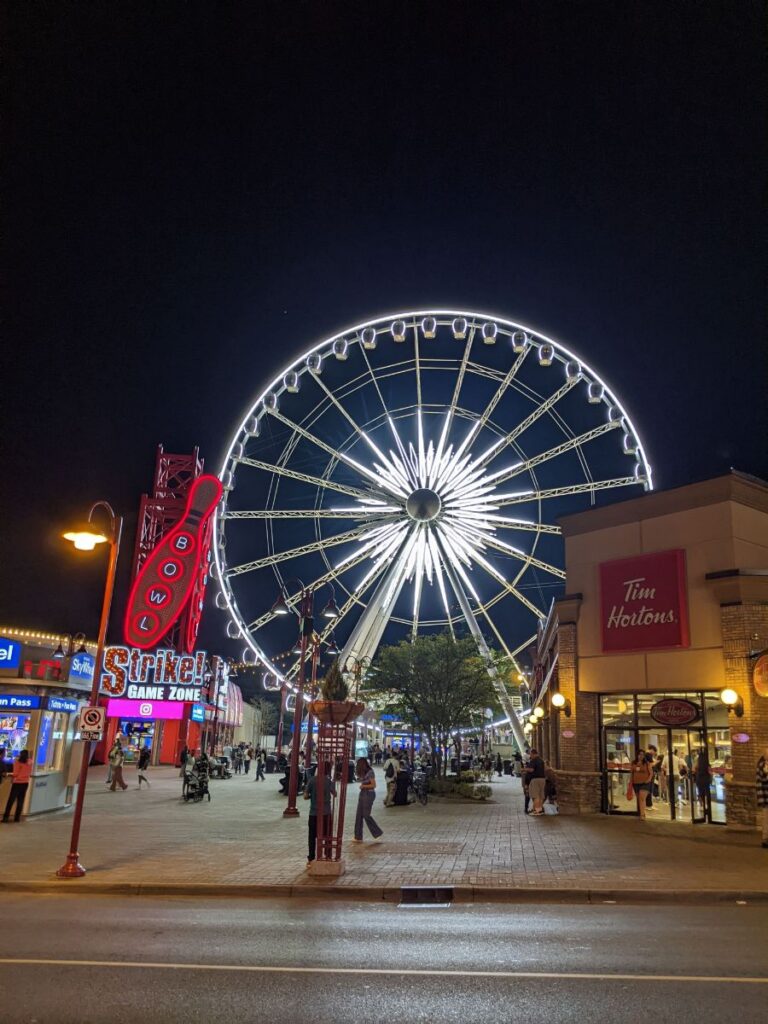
x=90, y=723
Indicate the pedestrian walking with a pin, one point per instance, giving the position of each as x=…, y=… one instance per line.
x=391, y=768
x=185, y=753
x=20, y=775
x=260, y=763
x=366, y=776
x=761, y=780
x=499, y=766
x=641, y=781
x=536, y=772
x=247, y=759
x=702, y=775
x=116, y=762
x=143, y=766
x=310, y=793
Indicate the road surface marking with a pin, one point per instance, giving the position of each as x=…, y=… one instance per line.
x=267, y=969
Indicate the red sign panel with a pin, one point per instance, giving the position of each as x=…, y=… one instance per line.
x=170, y=575
x=675, y=712
x=643, y=603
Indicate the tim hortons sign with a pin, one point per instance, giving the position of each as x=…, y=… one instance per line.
x=163, y=675
x=643, y=602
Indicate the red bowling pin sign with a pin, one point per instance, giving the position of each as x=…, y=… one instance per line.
x=164, y=584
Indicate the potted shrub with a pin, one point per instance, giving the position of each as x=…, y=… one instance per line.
x=334, y=706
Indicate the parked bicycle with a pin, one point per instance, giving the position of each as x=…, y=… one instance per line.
x=420, y=785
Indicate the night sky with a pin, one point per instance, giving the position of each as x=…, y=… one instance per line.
x=195, y=192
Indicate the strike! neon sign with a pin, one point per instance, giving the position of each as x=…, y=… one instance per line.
x=165, y=583
x=163, y=675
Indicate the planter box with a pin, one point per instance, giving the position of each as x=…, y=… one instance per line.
x=336, y=712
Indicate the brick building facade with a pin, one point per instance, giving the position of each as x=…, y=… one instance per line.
x=617, y=690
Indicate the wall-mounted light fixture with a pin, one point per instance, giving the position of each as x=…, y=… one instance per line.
x=732, y=701
x=562, y=704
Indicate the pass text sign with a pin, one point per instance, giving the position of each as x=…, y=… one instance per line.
x=643, y=602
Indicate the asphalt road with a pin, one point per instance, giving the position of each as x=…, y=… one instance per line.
x=108, y=959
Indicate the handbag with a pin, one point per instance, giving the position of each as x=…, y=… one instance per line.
x=630, y=791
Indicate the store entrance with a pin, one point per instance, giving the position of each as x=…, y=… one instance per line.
x=690, y=764
x=135, y=736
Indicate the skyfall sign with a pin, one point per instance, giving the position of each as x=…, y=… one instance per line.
x=643, y=602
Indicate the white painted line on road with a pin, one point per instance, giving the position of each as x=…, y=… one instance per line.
x=270, y=969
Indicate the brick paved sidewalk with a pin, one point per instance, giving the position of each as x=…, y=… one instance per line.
x=240, y=838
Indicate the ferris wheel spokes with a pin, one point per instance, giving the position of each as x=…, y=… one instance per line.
x=307, y=478
x=521, y=497
x=559, y=449
x=303, y=549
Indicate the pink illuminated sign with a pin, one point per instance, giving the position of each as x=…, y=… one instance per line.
x=122, y=708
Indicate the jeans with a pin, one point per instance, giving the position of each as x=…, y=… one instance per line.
x=17, y=794
x=312, y=851
x=247, y=766
x=260, y=772
x=364, y=805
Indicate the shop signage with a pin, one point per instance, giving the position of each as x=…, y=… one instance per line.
x=740, y=737
x=675, y=712
x=163, y=587
x=197, y=712
x=760, y=676
x=10, y=653
x=65, y=704
x=18, y=702
x=643, y=602
x=81, y=666
x=568, y=734
x=162, y=676
x=165, y=709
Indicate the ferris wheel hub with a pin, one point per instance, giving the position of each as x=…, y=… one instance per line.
x=423, y=505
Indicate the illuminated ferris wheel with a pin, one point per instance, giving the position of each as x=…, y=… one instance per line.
x=416, y=464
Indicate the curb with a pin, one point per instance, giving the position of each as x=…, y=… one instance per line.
x=389, y=894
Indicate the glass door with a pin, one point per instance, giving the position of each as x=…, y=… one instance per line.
x=619, y=747
x=655, y=743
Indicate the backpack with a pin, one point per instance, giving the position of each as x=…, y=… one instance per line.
x=390, y=772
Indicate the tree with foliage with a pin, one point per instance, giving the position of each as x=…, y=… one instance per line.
x=269, y=713
x=436, y=683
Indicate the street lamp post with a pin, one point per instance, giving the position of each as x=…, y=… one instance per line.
x=86, y=539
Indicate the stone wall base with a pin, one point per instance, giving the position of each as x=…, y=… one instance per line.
x=740, y=803
x=579, y=792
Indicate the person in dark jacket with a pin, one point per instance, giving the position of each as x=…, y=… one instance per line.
x=143, y=766
x=761, y=781
x=499, y=766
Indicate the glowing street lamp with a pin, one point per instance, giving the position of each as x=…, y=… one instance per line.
x=85, y=539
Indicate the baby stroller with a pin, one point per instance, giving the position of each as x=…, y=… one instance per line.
x=195, y=785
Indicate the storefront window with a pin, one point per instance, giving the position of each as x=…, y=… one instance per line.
x=14, y=732
x=51, y=740
x=619, y=710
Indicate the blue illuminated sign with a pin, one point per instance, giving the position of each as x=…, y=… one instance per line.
x=197, y=713
x=65, y=704
x=18, y=702
x=10, y=653
x=81, y=666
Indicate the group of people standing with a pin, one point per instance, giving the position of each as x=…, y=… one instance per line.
x=116, y=762
x=651, y=774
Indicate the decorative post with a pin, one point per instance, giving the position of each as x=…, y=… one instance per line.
x=283, y=695
x=313, y=695
x=292, y=811
x=336, y=716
